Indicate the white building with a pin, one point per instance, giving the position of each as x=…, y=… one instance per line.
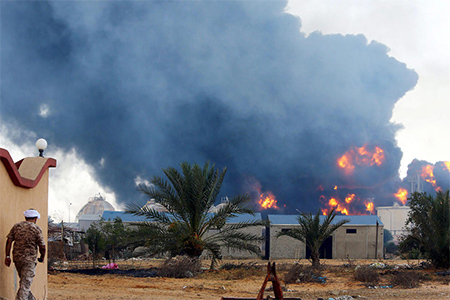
x=394, y=218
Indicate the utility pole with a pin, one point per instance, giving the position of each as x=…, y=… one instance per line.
x=376, y=241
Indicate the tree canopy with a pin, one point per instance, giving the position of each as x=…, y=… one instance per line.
x=428, y=227
x=189, y=226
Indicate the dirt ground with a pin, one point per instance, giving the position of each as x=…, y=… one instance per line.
x=223, y=283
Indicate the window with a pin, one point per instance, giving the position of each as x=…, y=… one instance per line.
x=285, y=229
x=351, y=230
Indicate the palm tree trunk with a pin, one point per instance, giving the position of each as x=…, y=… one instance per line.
x=315, y=258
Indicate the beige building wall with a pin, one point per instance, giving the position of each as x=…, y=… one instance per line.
x=20, y=189
x=285, y=246
x=231, y=253
x=359, y=245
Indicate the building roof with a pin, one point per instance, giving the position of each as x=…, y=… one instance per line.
x=393, y=207
x=245, y=218
x=111, y=215
x=354, y=220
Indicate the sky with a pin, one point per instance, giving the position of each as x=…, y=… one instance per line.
x=413, y=31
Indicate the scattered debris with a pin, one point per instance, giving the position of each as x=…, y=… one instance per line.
x=346, y=297
x=111, y=266
x=403, y=266
x=320, y=279
x=378, y=265
x=381, y=287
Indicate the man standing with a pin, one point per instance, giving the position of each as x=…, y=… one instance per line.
x=27, y=238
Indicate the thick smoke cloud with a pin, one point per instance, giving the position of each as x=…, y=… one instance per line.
x=426, y=177
x=139, y=86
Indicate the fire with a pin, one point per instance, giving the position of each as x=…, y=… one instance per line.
x=402, y=195
x=350, y=205
x=428, y=176
x=370, y=207
x=447, y=164
x=267, y=200
x=361, y=156
x=349, y=198
x=346, y=163
x=334, y=203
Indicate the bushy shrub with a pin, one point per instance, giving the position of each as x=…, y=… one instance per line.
x=241, y=270
x=300, y=273
x=367, y=275
x=405, y=280
x=180, y=267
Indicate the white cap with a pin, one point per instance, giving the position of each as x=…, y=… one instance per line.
x=31, y=213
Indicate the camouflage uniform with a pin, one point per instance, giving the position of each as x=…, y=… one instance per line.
x=27, y=236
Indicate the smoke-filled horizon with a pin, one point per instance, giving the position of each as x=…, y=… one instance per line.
x=136, y=87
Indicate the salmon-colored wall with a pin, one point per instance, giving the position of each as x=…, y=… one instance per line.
x=16, y=197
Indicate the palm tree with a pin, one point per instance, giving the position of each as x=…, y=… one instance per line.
x=313, y=232
x=189, y=227
x=428, y=227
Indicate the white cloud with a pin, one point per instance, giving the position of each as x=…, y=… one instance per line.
x=72, y=181
x=139, y=180
x=44, y=111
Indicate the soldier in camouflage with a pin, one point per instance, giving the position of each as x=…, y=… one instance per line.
x=27, y=238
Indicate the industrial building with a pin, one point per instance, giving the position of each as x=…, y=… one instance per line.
x=361, y=238
x=394, y=218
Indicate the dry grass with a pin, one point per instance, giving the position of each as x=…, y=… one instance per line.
x=367, y=275
x=405, y=279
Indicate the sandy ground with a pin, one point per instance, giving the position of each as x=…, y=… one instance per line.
x=214, y=285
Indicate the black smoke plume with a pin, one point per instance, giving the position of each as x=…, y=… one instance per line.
x=137, y=86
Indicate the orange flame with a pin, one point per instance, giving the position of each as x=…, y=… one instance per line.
x=447, y=164
x=352, y=204
x=349, y=198
x=360, y=156
x=402, y=195
x=267, y=200
x=428, y=176
x=370, y=207
x=334, y=203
